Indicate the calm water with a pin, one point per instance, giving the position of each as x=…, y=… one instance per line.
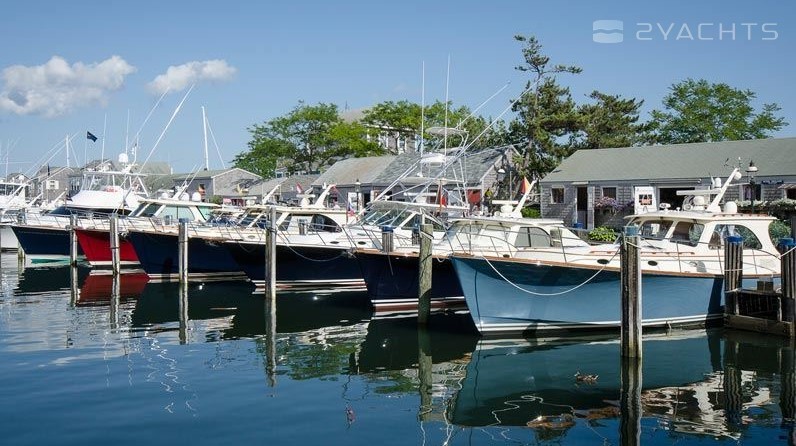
x=82, y=368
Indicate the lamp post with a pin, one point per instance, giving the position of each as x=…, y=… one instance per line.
x=357, y=186
x=501, y=175
x=751, y=171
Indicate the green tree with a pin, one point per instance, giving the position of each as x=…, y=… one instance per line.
x=304, y=140
x=610, y=121
x=699, y=111
x=547, y=118
x=403, y=119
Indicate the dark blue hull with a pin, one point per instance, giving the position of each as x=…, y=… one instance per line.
x=299, y=266
x=527, y=297
x=38, y=241
x=158, y=255
x=393, y=279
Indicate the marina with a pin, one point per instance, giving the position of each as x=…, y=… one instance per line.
x=141, y=361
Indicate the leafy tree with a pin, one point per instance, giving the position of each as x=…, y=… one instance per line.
x=404, y=119
x=305, y=140
x=610, y=121
x=699, y=111
x=547, y=118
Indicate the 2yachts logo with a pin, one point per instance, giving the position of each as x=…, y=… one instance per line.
x=612, y=31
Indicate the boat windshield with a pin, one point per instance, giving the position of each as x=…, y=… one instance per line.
x=102, y=181
x=386, y=217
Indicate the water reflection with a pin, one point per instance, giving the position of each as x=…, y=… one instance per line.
x=693, y=383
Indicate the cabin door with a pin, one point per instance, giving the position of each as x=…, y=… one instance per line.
x=581, y=207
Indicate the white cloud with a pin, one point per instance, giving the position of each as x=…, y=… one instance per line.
x=179, y=77
x=55, y=88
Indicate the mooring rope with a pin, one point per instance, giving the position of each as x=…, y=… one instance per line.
x=550, y=294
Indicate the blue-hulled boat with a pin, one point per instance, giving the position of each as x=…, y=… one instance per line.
x=555, y=288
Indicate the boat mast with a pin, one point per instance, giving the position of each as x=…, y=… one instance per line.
x=204, y=125
x=66, y=141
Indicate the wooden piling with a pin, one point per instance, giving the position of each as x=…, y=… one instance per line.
x=788, y=279
x=630, y=272
x=424, y=277
x=387, y=238
x=733, y=272
x=270, y=255
x=72, y=240
x=113, y=233
x=182, y=247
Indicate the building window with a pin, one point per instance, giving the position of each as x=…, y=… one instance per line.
x=609, y=192
x=751, y=192
x=790, y=193
x=556, y=195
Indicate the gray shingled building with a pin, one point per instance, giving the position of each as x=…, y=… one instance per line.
x=588, y=177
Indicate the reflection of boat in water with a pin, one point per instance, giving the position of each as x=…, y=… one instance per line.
x=393, y=343
x=689, y=383
x=241, y=314
x=44, y=279
x=98, y=288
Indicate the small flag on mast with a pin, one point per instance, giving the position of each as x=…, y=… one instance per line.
x=91, y=136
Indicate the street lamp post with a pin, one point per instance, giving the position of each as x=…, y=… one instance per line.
x=751, y=171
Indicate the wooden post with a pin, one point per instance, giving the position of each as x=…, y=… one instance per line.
x=788, y=279
x=21, y=219
x=630, y=401
x=424, y=276
x=733, y=272
x=270, y=255
x=74, y=290
x=387, y=238
x=72, y=240
x=630, y=272
x=182, y=247
x=114, y=241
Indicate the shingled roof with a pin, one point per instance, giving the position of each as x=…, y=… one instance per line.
x=773, y=157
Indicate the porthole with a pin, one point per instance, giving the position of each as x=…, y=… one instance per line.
x=652, y=263
x=602, y=261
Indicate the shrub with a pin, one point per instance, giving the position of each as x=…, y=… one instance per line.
x=602, y=234
x=531, y=213
x=777, y=230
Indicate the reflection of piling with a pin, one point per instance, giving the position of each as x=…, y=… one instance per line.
x=733, y=272
x=630, y=401
x=74, y=290
x=116, y=293
x=72, y=240
x=270, y=255
x=270, y=341
x=114, y=241
x=787, y=397
x=424, y=274
x=733, y=391
x=630, y=271
x=424, y=371
x=183, y=308
x=182, y=255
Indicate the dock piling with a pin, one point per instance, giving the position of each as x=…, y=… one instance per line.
x=424, y=274
x=72, y=240
x=270, y=255
x=788, y=274
x=182, y=246
x=733, y=272
x=630, y=272
x=114, y=242
x=387, y=238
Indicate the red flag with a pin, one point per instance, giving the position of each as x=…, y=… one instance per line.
x=526, y=185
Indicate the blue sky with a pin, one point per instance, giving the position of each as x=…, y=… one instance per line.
x=253, y=61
